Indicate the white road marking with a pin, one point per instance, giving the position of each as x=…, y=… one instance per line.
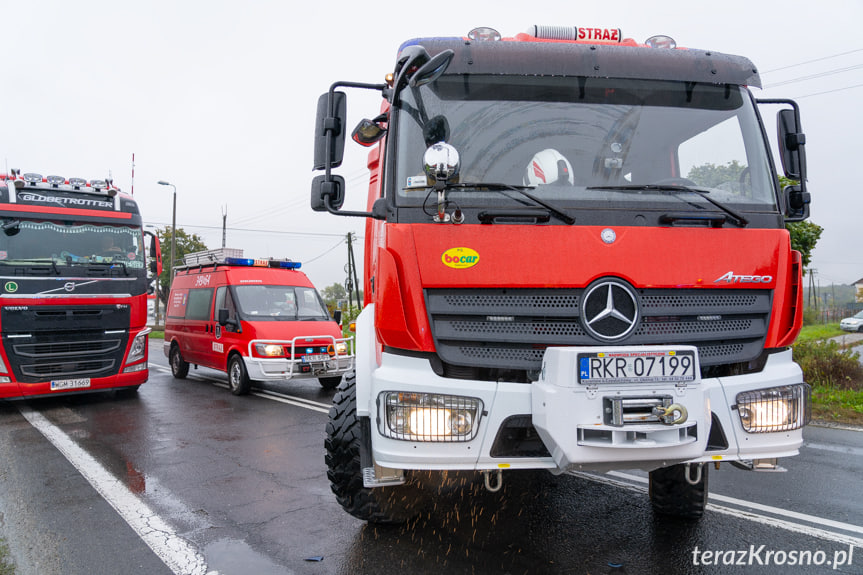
x=180, y=556
x=629, y=480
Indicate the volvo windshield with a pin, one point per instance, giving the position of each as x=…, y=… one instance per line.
x=586, y=143
x=31, y=243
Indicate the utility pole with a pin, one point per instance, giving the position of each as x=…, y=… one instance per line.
x=352, y=284
x=224, y=223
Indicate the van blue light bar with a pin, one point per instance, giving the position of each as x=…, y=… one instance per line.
x=248, y=262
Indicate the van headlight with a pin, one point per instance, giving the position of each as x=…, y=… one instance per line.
x=269, y=350
x=139, y=347
x=429, y=416
x=775, y=408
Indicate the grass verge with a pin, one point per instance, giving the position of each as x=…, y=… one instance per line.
x=6, y=565
x=834, y=372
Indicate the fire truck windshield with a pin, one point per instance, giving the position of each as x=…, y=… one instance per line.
x=57, y=244
x=280, y=303
x=575, y=139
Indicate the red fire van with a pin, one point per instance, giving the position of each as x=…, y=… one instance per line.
x=256, y=320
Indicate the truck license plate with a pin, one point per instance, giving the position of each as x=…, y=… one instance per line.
x=647, y=366
x=70, y=383
x=316, y=358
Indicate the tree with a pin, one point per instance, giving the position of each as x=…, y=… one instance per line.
x=332, y=294
x=713, y=176
x=184, y=244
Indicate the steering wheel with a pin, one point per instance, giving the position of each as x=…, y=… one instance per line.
x=676, y=182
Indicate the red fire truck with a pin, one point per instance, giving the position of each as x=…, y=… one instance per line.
x=73, y=303
x=576, y=259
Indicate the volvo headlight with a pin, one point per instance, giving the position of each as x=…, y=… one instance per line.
x=139, y=347
x=430, y=416
x=774, y=409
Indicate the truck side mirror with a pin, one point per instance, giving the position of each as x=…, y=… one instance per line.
x=796, y=204
x=330, y=130
x=155, y=253
x=332, y=187
x=791, y=144
x=223, y=319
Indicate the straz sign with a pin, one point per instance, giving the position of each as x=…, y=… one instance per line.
x=642, y=366
x=601, y=34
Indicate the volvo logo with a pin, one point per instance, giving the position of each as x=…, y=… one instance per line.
x=609, y=309
x=69, y=286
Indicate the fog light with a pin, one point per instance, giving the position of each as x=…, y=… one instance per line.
x=133, y=368
x=430, y=416
x=774, y=409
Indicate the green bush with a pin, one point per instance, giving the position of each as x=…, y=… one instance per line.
x=826, y=364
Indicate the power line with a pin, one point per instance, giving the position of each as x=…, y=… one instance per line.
x=813, y=61
x=814, y=76
x=305, y=234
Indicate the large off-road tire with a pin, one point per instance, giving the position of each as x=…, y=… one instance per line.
x=671, y=494
x=395, y=504
x=179, y=366
x=330, y=382
x=238, y=377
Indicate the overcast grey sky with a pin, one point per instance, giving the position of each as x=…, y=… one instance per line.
x=218, y=97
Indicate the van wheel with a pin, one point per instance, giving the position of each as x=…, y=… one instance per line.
x=671, y=494
x=395, y=504
x=238, y=377
x=179, y=366
x=330, y=382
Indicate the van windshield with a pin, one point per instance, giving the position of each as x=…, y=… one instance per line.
x=279, y=303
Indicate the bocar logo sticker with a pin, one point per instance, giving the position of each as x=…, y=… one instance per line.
x=460, y=258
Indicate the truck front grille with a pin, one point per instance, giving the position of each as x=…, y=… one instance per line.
x=509, y=329
x=53, y=342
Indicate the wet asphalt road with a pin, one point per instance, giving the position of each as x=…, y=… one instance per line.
x=241, y=485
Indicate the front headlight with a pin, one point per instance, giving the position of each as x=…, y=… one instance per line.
x=269, y=350
x=139, y=347
x=774, y=409
x=341, y=348
x=430, y=416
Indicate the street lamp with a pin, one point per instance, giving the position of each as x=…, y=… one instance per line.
x=173, y=228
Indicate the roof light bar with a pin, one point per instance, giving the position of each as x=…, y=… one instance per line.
x=32, y=178
x=261, y=263
x=56, y=180
x=77, y=182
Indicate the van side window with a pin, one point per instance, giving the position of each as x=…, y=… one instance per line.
x=224, y=300
x=198, y=305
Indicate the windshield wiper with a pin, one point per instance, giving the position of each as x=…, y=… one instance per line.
x=33, y=262
x=494, y=187
x=676, y=189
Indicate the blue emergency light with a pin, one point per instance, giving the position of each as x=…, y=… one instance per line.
x=248, y=262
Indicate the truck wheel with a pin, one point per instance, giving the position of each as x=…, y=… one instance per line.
x=179, y=366
x=238, y=377
x=395, y=504
x=671, y=494
x=330, y=382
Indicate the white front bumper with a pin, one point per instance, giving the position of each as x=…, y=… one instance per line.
x=569, y=418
